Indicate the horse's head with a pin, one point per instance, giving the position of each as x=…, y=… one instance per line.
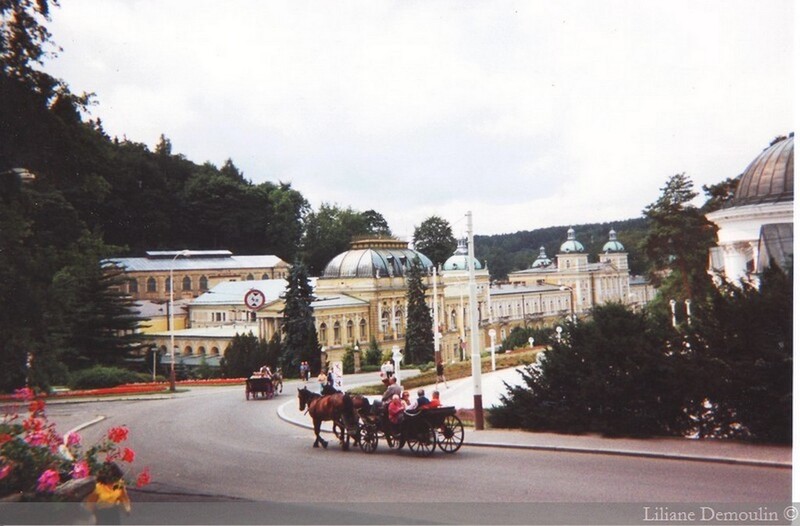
x=302, y=396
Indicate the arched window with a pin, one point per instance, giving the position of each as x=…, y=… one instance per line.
x=133, y=286
x=201, y=350
x=323, y=334
x=264, y=276
x=187, y=351
x=349, y=331
x=250, y=277
x=151, y=285
x=362, y=329
x=337, y=333
x=215, y=351
x=203, y=283
x=167, y=285
x=385, y=326
x=187, y=283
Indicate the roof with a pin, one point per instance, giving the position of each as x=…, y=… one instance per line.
x=340, y=300
x=500, y=290
x=197, y=260
x=232, y=292
x=378, y=258
x=770, y=177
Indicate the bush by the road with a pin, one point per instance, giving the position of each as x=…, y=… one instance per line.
x=100, y=376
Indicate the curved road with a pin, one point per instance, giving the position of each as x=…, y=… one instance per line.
x=211, y=441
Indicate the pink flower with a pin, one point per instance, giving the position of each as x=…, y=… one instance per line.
x=80, y=470
x=37, y=438
x=72, y=439
x=4, y=471
x=128, y=455
x=118, y=434
x=144, y=478
x=48, y=481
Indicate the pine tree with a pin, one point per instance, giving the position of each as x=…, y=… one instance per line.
x=300, y=341
x=419, y=331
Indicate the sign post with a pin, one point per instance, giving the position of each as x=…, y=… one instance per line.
x=338, y=376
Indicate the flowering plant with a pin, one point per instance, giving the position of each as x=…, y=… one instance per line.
x=35, y=460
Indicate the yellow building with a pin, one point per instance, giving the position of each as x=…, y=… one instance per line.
x=589, y=284
x=362, y=294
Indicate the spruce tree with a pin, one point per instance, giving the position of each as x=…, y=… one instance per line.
x=300, y=341
x=419, y=330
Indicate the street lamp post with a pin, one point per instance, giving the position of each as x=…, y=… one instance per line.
x=492, y=337
x=183, y=253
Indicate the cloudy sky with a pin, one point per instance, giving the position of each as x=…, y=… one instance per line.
x=530, y=114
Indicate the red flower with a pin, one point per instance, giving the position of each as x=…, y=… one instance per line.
x=118, y=434
x=5, y=437
x=128, y=455
x=48, y=481
x=144, y=478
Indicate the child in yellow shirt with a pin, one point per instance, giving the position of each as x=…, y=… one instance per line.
x=108, y=495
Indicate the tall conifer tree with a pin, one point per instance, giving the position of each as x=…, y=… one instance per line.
x=300, y=341
x=419, y=330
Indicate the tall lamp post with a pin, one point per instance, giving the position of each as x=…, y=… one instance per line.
x=183, y=253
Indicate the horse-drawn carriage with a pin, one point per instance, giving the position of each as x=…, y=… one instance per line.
x=263, y=385
x=356, y=419
x=422, y=430
x=256, y=386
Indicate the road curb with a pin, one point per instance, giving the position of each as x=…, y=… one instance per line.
x=586, y=451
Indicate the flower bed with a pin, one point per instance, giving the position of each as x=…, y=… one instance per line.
x=36, y=463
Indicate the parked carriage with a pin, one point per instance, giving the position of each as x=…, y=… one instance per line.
x=422, y=431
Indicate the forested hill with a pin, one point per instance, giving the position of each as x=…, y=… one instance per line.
x=505, y=253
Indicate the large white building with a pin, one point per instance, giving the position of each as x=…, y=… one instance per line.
x=757, y=226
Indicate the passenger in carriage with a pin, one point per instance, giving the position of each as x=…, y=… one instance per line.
x=435, y=402
x=391, y=391
x=420, y=402
x=396, y=410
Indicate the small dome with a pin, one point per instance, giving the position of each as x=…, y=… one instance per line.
x=571, y=244
x=459, y=259
x=770, y=177
x=542, y=261
x=613, y=245
x=375, y=258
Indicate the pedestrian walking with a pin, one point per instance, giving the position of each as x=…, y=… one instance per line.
x=440, y=375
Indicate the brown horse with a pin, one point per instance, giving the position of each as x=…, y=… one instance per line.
x=337, y=408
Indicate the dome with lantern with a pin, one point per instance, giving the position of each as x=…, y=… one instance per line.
x=542, y=261
x=460, y=258
x=613, y=245
x=571, y=244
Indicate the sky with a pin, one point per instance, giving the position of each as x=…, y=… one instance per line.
x=528, y=114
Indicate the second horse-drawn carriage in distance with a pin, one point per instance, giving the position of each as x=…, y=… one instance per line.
x=263, y=384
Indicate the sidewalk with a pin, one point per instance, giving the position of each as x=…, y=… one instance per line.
x=460, y=395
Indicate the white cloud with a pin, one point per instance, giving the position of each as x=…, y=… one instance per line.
x=530, y=114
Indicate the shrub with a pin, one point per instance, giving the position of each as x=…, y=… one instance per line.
x=100, y=376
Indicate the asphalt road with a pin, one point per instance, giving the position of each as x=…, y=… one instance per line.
x=212, y=444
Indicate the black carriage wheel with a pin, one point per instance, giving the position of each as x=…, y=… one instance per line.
x=394, y=440
x=368, y=439
x=422, y=439
x=450, y=435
